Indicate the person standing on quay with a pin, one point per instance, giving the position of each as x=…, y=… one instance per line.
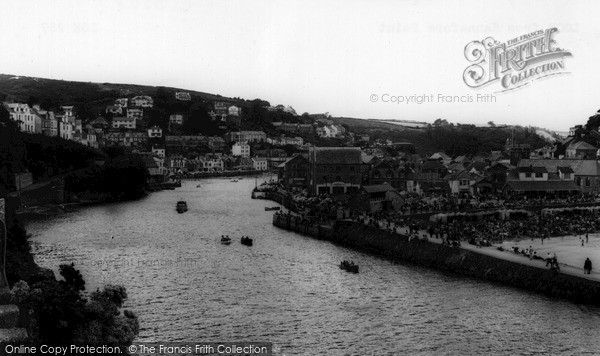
x=587, y=266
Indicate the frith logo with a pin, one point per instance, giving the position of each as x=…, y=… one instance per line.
x=516, y=62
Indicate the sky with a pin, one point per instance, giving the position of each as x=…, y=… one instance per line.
x=351, y=58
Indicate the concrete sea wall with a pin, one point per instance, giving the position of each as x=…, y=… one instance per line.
x=452, y=259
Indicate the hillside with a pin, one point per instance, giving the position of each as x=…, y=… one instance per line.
x=50, y=93
x=91, y=99
x=442, y=136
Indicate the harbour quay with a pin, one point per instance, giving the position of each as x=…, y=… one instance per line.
x=461, y=260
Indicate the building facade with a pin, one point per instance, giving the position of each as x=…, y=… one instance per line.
x=28, y=120
x=241, y=149
x=334, y=170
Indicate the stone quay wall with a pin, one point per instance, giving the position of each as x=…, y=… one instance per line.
x=446, y=258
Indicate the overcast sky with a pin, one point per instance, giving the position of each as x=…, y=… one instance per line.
x=317, y=56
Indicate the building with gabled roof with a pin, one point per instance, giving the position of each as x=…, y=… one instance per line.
x=294, y=171
x=541, y=177
x=463, y=182
x=114, y=109
x=334, y=170
x=143, y=101
x=581, y=149
x=586, y=172
x=434, y=166
x=29, y=121
x=373, y=198
x=183, y=96
x=123, y=122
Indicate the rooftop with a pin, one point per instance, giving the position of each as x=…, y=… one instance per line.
x=336, y=155
x=378, y=188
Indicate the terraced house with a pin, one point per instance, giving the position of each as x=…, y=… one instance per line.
x=583, y=173
x=28, y=120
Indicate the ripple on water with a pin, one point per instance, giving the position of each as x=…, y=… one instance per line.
x=287, y=289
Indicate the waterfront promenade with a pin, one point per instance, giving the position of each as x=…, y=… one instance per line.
x=571, y=255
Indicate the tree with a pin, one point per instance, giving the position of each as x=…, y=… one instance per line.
x=199, y=122
x=60, y=314
x=440, y=122
x=593, y=122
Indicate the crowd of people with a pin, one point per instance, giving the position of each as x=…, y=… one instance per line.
x=439, y=203
x=477, y=229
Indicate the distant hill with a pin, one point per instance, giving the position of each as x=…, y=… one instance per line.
x=453, y=139
x=91, y=99
x=51, y=93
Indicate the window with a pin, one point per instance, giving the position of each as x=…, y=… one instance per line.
x=587, y=181
x=464, y=182
x=578, y=181
x=338, y=179
x=338, y=190
x=527, y=175
x=539, y=175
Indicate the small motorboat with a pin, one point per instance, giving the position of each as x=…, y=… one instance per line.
x=181, y=207
x=198, y=186
x=272, y=208
x=246, y=241
x=234, y=180
x=349, y=266
x=225, y=240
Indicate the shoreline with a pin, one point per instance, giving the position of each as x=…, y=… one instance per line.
x=458, y=260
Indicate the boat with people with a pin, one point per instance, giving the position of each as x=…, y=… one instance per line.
x=349, y=266
x=198, y=186
x=234, y=180
x=225, y=240
x=246, y=241
x=181, y=206
x=272, y=208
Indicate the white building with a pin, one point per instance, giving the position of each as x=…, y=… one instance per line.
x=210, y=164
x=260, y=164
x=282, y=141
x=122, y=102
x=158, y=151
x=176, y=163
x=28, y=120
x=143, y=101
x=234, y=110
x=65, y=129
x=154, y=132
x=67, y=111
x=135, y=113
x=183, y=96
x=123, y=122
x=241, y=149
x=176, y=119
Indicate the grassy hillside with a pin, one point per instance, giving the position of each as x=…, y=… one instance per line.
x=452, y=139
x=93, y=97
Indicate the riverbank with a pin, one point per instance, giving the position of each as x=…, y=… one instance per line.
x=458, y=260
x=204, y=175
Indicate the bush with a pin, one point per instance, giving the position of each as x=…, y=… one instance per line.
x=58, y=313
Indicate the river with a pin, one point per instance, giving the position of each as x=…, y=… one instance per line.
x=287, y=289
